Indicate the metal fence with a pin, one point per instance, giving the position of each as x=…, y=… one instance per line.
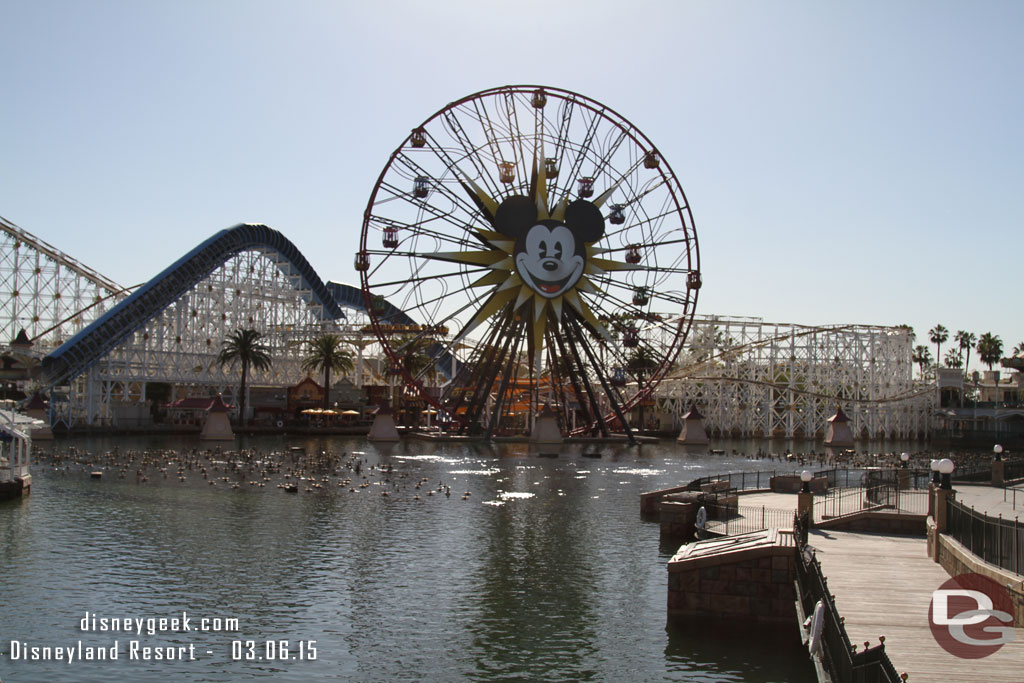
x=840, y=502
x=1013, y=469
x=905, y=501
x=843, y=477
x=994, y=539
x=866, y=477
x=842, y=660
x=742, y=519
x=741, y=481
x=982, y=472
x=1013, y=495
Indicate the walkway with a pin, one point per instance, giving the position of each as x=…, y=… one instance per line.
x=777, y=509
x=993, y=501
x=883, y=586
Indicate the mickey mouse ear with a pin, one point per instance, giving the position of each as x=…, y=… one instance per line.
x=585, y=220
x=515, y=215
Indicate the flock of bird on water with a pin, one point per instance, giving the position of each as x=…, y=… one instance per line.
x=298, y=469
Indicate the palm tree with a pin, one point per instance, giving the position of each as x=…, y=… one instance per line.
x=248, y=348
x=938, y=335
x=325, y=353
x=1018, y=349
x=966, y=340
x=922, y=356
x=953, y=359
x=990, y=349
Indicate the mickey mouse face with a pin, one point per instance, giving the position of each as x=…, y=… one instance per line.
x=548, y=261
x=550, y=255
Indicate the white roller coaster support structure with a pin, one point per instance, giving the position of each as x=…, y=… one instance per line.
x=46, y=292
x=753, y=378
x=53, y=297
x=180, y=345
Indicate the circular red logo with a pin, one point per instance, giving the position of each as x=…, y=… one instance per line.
x=971, y=616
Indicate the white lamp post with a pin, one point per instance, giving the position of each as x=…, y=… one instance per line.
x=946, y=468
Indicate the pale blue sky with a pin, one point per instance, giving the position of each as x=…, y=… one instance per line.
x=847, y=162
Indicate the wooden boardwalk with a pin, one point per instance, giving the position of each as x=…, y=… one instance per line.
x=883, y=586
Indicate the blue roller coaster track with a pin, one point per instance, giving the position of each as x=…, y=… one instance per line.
x=94, y=342
x=87, y=347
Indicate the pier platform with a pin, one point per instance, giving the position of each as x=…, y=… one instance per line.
x=883, y=586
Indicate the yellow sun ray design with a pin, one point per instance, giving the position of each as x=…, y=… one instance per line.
x=507, y=285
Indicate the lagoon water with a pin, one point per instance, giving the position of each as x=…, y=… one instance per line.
x=545, y=572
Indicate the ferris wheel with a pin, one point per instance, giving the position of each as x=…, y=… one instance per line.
x=527, y=246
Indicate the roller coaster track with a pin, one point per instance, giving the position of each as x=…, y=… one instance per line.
x=91, y=344
x=45, y=289
x=352, y=297
x=785, y=388
x=685, y=372
x=57, y=255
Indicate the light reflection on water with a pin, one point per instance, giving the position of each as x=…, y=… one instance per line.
x=560, y=581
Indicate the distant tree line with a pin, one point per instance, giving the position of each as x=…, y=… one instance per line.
x=988, y=346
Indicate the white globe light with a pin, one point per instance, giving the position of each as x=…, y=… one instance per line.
x=805, y=476
x=997, y=449
x=946, y=466
x=935, y=465
x=904, y=456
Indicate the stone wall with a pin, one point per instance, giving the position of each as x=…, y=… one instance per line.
x=678, y=520
x=756, y=586
x=649, y=501
x=957, y=559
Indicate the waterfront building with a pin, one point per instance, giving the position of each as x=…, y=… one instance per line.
x=986, y=407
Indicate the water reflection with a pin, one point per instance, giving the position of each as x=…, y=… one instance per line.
x=537, y=562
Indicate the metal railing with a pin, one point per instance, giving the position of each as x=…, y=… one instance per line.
x=905, y=501
x=839, y=656
x=866, y=477
x=969, y=473
x=1013, y=469
x=842, y=502
x=741, y=519
x=843, y=477
x=741, y=481
x=1011, y=494
x=996, y=540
